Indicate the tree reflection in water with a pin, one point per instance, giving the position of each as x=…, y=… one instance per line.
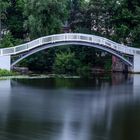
x=102, y=108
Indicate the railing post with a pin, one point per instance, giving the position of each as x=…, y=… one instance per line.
x=14, y=50
x=102, y=41
x=52, y=38
x=40, y=41
x=27, y=46
x=91, y=39
x=0, y=52
x=78, y=37
x=65, y=36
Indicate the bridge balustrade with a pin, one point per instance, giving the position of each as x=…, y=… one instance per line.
x=46, y=40
x=70, y=37
x=8, y=51
x=21, y=48
x=33, y=44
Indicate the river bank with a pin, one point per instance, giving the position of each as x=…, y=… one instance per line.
x=4, y=74
x=38, y=76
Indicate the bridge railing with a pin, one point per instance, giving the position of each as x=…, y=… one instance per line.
x=67, y=37
x=8, y=51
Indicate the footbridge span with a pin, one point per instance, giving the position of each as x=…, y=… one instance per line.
x=27, y=49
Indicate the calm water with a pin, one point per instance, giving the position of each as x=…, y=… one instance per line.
x=104, y=108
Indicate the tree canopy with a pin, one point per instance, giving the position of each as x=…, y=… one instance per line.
x=24, y=20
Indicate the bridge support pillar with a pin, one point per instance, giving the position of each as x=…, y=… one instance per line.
x=5, y=62
x=118, y=65
x=136, y=68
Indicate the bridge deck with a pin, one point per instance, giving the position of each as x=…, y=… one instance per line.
x=67, y=37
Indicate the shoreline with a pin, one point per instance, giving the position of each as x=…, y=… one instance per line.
x=64, y=76
x=38, y=76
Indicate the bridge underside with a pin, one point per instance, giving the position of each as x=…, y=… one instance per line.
x=35, y=50
x=135, y=67
x=111, y=51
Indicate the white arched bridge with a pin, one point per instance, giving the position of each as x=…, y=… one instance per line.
x=27, y=49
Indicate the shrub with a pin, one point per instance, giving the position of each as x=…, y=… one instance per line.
x=65, y=63
x=4, y=72
x=84, y=71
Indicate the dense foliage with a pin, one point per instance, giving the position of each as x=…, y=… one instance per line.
x=24, y=20
x=4, y=72
x=65, y=63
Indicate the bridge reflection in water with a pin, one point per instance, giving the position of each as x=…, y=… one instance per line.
x=43, y=109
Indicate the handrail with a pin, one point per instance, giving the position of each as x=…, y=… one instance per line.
x=67, y=37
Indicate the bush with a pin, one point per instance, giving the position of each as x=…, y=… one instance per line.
x=84, y=71
x=65, y=63
x=4, y=72
x=108, y=65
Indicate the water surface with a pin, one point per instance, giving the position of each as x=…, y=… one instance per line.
x=101, y=108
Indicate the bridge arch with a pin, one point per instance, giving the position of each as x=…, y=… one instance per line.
x=72, y=42
x=45, y=42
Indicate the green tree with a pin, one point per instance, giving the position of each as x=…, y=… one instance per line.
x=25, y=20
x=77, y=10
x=4, y=4
x=15, y=19
x=45, y=17
x=90, y=17
x=126, y=21
x=65, y=63
x=9, y=41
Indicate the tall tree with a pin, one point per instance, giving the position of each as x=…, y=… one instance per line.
x=76, y=14
x=3, y=7
x=44, y=16
x=127, y=22
x=15, y=18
